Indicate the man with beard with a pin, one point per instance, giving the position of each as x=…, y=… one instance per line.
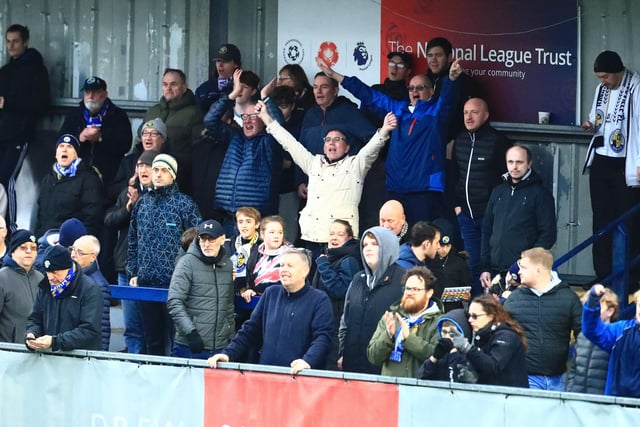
x=103, y=129
x=407, y=334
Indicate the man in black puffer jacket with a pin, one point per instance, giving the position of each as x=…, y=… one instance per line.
x=479, y=162
x=548, y=311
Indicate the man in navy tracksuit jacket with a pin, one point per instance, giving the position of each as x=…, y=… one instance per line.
x=293, y=322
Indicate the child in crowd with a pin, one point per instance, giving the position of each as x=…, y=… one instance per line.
x=590, y=363
x=263, y=267
x=446, y=363
x=248, y=223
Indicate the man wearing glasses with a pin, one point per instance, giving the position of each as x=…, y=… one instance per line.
x=335, y=178
x=18, y=286
x=400, y=68
x=103, y=129
x=416, y=160
x=250, y=173
x=407, y=333
x=84, y=252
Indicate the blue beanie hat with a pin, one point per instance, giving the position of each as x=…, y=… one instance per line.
x=70, y=231
x=67, y=138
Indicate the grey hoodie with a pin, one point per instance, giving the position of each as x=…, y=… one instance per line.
x=389, y=250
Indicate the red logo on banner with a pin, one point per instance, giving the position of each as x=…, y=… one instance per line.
x=329, y=53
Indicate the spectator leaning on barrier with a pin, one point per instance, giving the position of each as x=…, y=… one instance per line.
x=68, y=308
x=200, y=299
x=293, y=321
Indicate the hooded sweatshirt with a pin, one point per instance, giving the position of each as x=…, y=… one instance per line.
x=370, y=294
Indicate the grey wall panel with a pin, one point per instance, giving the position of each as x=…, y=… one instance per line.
x=127, y=42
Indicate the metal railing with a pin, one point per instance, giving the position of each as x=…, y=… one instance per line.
x=622, y=262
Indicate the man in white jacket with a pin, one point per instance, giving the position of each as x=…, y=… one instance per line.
x=335, y=178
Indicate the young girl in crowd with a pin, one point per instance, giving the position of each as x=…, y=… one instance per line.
x=263, y=267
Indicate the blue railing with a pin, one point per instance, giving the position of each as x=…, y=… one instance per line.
x=142, y=293
x=618, y=280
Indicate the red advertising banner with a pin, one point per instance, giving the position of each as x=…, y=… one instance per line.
x=252, y=399
x=523, y=53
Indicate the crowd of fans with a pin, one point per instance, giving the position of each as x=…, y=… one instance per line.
x=203, y=202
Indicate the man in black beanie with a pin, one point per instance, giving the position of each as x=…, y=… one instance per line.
x=67, y=312
x=613, y=156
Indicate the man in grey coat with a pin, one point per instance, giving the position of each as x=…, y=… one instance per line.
x=201, y=295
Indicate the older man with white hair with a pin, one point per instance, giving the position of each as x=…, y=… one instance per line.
x=85, y=251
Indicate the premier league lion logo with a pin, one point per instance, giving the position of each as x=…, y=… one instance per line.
x=361, y=56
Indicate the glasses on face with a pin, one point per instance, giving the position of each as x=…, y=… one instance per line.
x=249, y=116
x=409, y=290
x=475, y=316
x=334, y=138
x=418, y=87
x=205, y=238
x=283, y=78
x=151, y=133
x=80, y=251
x=399, y=65
x=28, y=248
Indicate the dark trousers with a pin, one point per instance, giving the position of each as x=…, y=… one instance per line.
x=610, y=198
x=157, y=328
x=471, y=230
x=11, y=159
x=421, y=206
